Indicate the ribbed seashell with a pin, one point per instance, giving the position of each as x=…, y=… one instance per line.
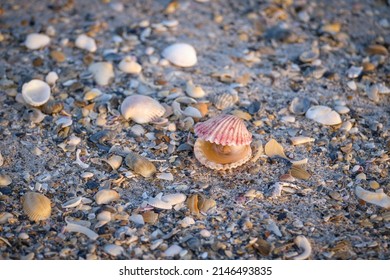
x=180, y=54
x=106, y=196
x=36, y=92
x=140, y=165
x=174, y=198
x=323, y=115
x=224, y=130
x=102, y=72
x=150, y=217
x=36, y=206
x=224, y=100
x=223, y=142
x=141, y=109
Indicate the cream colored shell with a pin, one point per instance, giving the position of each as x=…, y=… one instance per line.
x=36, y=206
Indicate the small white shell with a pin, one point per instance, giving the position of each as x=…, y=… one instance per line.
x=137, y=219
x=159, y=203
x=378, y=198
x=36, y=92
x=71, y=227
x=303, y=244
x=141, y=109
x=106, y=196
x=130, y=65
x=86, y=43
x=113, y=250
x=72, y=202
x=36, y=41
x=51, y=78
x=174, y=198
x=78, y=160
x=103, y=218
x=192, y=112
x=194, y=91
x=165, y=176
x=102, y=72
x=323, y=115
x=181, y=54
x=114, y=161
x=187, y=221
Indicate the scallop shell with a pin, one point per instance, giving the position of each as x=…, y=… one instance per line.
x=224, y=130
x=36, y=92
x=36, y=206
x=140, y=165
x=141, y=109
x=106, y=196
x=323, y=115
x=181, y=54
x=224, y=100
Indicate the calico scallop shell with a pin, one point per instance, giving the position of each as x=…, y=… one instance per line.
x=223, y=142
x=36, y=92
x=36, y=206
x=226, y=130
x=141, y=109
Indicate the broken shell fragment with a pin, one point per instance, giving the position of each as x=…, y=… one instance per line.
x=274, y=149
x=223, y=142
x=180, y=54
x=114, y=161
x=150, y=217
x=102, y=72
x=36, y=41
x=323, y=115
x=129, y=65
x=71, y=227
x=141, y=109
x=378, y=198
x=157, y=202
x=303, y=244
x=174, y=198
x=86, y=43
x=299, y=140
x=192, y=204
x=194, y=91
x=36, y=92
x=106, y=196
x=140, y=165
x=36, y=206
x=299, y=106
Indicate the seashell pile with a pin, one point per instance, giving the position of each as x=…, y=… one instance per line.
x=141, y=109
x=36, y=92
x=223, y=142
x=36, y=206
x=180, y=54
